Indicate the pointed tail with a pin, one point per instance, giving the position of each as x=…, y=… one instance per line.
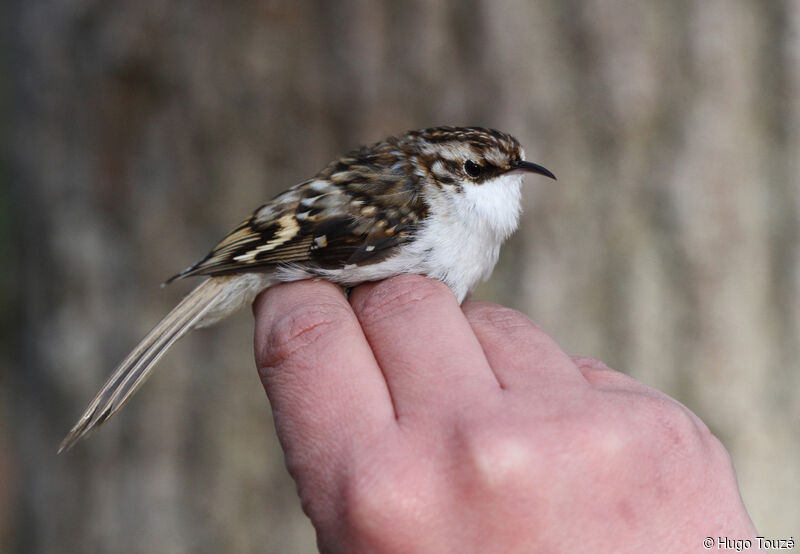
x=138, y=365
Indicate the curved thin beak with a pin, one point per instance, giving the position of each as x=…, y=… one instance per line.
x=531, y=167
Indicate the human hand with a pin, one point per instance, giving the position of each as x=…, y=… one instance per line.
x=411, y=424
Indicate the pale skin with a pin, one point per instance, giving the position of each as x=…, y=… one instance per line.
x=413, y=424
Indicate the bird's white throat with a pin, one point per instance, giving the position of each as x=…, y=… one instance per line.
x=494, y=205
x=465, y=229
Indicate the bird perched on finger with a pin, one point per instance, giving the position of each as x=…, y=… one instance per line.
x=438, y=202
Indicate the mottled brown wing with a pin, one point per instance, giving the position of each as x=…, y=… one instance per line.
x=325, y=223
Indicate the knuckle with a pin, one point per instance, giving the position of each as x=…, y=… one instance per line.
x=502, y=319
x=397, y=296
x=671, y=426
x=298, y=329
x=653, y=429
x=507, y=325
x=389, y=496
x=609, y=440
x=497, y=462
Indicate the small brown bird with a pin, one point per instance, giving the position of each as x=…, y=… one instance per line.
x=438, y=202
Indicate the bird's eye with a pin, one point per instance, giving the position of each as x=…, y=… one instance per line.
x=472, y=169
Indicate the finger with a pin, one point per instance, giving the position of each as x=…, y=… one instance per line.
x=601, y=376
x=520, y=354
x=324, y=385
x=424, y=345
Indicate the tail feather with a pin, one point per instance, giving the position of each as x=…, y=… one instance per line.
x=134, y=370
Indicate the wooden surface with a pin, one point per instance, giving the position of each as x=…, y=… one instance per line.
x=138, y=133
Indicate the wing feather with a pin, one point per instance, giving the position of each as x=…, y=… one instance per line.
x=327, y=222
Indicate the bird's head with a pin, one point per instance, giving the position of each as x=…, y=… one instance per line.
x=459, y=156
x=478, y=172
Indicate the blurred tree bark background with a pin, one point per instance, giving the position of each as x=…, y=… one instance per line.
x=137, y=133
